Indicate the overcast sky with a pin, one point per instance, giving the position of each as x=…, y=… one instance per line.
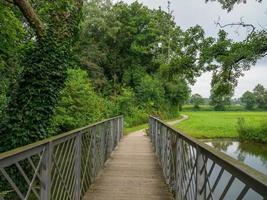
x=188, y=13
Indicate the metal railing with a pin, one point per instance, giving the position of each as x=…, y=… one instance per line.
x=59, y=168
x=194, y=170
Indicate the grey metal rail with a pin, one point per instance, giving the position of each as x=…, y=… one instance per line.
x=194, y=170
x=59, y=168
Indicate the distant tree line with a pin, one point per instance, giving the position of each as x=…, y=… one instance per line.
x=256, y=98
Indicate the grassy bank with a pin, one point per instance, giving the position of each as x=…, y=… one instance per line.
x=135, y=128
x=218, y=124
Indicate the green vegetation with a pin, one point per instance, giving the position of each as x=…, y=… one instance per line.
x=67, y=63
x=206, y=107
x=218, y=124
x=196, y=100
x=252, y=131
x=257, y=98
x=135, y=128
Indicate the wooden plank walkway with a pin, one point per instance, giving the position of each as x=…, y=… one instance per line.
x=132, y=173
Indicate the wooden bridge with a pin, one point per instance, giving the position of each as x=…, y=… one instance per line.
x=97, y=163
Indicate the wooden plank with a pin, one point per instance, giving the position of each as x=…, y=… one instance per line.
x=132, y=172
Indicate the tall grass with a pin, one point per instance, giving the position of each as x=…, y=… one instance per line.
x=249, y=131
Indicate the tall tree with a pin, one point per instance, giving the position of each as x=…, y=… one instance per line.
x=32, y=100
x=259, y=92
x=196, y=100
x=248, y=98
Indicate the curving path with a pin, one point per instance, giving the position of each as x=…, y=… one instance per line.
x=174, y=122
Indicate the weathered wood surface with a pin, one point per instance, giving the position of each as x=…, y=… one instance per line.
x=132, y=173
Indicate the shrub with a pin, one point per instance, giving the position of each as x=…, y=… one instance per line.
x=252, y=132
x=79, y=105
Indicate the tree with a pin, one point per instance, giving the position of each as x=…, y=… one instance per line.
x=130, y=44
x=229, y=4
x=221, y=91
x=196, y=100
x=259, y=92
x=32, y=100
x=248, y=98
x=12, y=42
x=78, y=104
x=150, y=92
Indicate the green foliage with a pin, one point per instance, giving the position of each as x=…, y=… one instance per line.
x=33, y=98
x=150, y=92
x=78, y=104
x=196, y=100
x=248, y=131
x=229, y=5
x=11, y=37
x=260, y=96
x=218, y=124
x=138, y=62
x=248, y=99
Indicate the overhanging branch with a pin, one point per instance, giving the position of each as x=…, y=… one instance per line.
x=29, y=13
x=241, y=23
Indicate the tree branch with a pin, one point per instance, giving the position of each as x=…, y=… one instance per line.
x=10, y=1
x=241, y=23
x=32, y=18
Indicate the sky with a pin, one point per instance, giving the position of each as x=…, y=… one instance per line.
x=189, y=13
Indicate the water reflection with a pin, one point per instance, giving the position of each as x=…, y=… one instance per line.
x=250, y=153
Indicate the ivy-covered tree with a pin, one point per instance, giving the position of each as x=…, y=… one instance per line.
x=32, y=100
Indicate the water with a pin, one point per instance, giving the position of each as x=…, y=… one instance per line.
x=250, y=153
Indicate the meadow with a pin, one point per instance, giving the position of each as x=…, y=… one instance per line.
x=211, y=124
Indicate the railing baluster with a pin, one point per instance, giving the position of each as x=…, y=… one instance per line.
x=46, y=172
x=78, y=166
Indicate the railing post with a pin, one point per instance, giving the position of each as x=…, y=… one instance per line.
x=179, y=167
x=118, y=130
x=122, y=125
x=200, y=176
x=111, y=135
x=168, y=170
x=156, y=138
x=78, y=166
x=46, y=172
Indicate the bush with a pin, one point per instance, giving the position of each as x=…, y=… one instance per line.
x=252, y=132
x=79, y=105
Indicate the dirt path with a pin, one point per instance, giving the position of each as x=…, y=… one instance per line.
x=174, y=122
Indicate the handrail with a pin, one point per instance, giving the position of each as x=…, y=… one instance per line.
x=195, y=170
x=60, y=167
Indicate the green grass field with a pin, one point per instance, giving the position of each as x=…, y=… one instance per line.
x=211, y=124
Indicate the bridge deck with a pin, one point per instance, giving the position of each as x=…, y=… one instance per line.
x=132, y=173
